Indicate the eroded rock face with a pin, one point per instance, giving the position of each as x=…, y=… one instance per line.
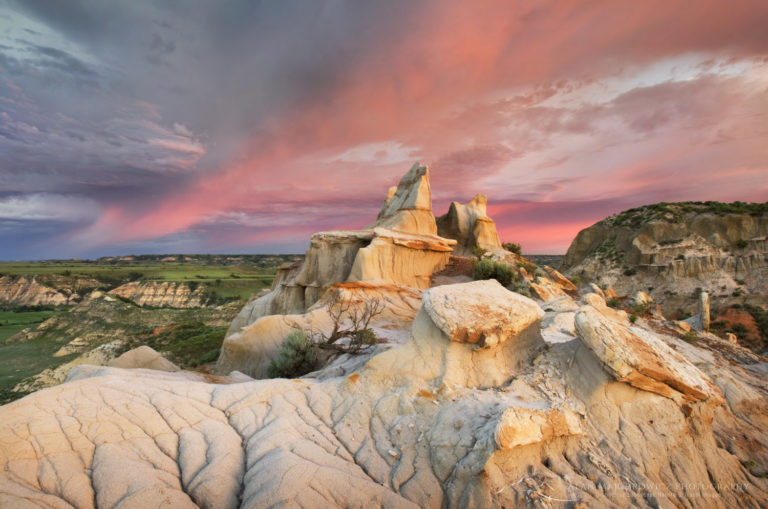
x=161, y=294
x=26, y=291
x=642, y=360
x=432, y=423
x=409, y=207
x=470, y=225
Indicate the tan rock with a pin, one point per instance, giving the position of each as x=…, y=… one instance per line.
x=546, y=290
x=401, y=258
x=682, y=326
x=610, y=294
x=560, y=280
x=732, y=338
x=523, y=426
x=160, y=294
x=481, y=313
x=470, y=225
x=642, y=299
x=409, y=207
x=143, y=357
x=642, y=360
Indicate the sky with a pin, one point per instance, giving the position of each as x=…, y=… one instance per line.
x=191, y=126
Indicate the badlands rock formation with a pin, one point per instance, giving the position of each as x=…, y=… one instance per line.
x=469, y=402
x=161, y=294
x=470, y=225
x=675, y=248
x=392, y=260
x=26, y=291
x=468, y=412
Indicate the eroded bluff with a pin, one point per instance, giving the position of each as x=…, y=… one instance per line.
x=675, y=249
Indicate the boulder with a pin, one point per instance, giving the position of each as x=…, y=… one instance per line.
x=562, y=281
x=643, y=360
x=546, y=290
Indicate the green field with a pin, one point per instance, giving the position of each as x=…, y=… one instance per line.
x=188, y=337
x=12, y=322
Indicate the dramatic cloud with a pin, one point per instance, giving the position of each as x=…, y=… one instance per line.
x=142, y=126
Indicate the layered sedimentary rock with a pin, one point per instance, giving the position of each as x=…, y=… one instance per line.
x=162, y=294
x=467, y=413
x=399, y=250
x=408, y=206
x=27, y=291
x=675, y=249
x=470, y=225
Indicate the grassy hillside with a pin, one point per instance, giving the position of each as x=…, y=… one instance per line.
x=188, y=337
x=675, y=212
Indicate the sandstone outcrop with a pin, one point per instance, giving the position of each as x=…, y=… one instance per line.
x=161, y=294
x=143, y=357
x=399, y=252
x=26, y=291
x=408, y=207
x=677, y=250
x=470, y=225
x=611, y=419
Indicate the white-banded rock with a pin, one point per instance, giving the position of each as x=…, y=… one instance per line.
x=161, y=294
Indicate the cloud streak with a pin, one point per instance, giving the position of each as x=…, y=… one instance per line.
x=247, y=126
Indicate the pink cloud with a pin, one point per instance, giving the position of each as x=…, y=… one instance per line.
x=470, y=88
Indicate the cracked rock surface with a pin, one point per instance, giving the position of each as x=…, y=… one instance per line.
x=431, y=423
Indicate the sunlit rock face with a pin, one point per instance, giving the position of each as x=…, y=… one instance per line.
x=161, y=294
x=399, y=250
x=470, y=225
x=472, y=409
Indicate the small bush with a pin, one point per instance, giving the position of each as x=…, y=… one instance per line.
x=644, y=308
x=576, y=280
x=741, y=282
x=690, y=337
x=741, y=243
x=297, y=356
x=681, y=256
x=512, y=247
x=484, y=269
x=529, y=267
x=630, y=271
x=488, y=269
x=614, y=302
x=632, y=318
x=479, y=252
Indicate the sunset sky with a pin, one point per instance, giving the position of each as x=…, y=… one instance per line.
x=243, y=127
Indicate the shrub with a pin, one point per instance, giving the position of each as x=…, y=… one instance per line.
x=350, y=320
x=631, y=271
x=632, y=318
x=502, y=273
x=488, y=269
x=614, y=302
x=479, y=252
x=528, y=266
x=484, y=269
x=681, y=256
x=690, y=337
x=741, y=243
x=576, y=280
x=297, y=357
x=512, y=247
x=643, y=309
